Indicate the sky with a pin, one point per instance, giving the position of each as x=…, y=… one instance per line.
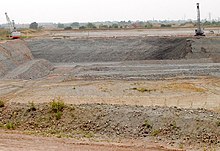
x=67, y=11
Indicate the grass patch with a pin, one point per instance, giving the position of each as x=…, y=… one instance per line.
x=57, y=105
x=89, y=135
x=58, y=115
x=173, y=125
x=185, y=87
x=2, y=103
x=10, y=125
x=147, y=124
x=218, y=123
x=143, y=89
x=4, y=34
x=32, y=106
x=155, y=132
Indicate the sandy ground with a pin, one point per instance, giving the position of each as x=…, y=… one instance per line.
x=186, y=93
x=129, y=33
x=15, y=141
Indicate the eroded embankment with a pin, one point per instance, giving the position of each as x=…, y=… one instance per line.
x=124, y=49
x=16, y=61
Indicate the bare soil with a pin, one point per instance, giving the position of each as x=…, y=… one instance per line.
x=18, y=141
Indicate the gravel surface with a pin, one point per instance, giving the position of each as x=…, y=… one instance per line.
x=141, y=70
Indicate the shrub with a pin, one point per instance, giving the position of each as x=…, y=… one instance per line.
x=33, y=25
x=165, y=25
x=68, y=28
x=2, y=103
x=58, y=115
x=147, y=124
x=218, y=123
x=32, y=106
x=155, y=132
x=10, y=125
x=143, y=89
x=57, y=105
x=82, y=27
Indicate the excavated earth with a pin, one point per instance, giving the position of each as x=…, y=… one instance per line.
x=134, y=73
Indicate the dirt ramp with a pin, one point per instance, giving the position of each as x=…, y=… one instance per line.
x=33, y=69
x=12, y=54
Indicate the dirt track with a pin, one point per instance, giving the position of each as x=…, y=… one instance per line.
x=20, y=142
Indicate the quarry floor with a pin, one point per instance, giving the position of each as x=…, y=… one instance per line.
x=189, y=83
x=202, y=92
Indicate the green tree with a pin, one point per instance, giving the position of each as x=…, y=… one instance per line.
x=103, y=26
x=82, y=27
x=60, y=25
x=75, y=25
x=90, y=26
x=68, y=28
x=33, y=25
x=115, y=26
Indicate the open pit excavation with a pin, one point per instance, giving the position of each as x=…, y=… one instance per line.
x=132, y=57
x=146, y=89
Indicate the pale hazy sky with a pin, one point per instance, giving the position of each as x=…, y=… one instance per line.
x=27, y=11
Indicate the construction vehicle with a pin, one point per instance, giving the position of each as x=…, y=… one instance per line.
x=199, y=31
x=14, y=34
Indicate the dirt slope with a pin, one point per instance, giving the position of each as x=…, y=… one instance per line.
x=17, y=62
x=12, y=54
x=33, y=69
x=110, y=49
x=124, y=49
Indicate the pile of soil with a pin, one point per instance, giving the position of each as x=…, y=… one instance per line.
x=172, y=125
